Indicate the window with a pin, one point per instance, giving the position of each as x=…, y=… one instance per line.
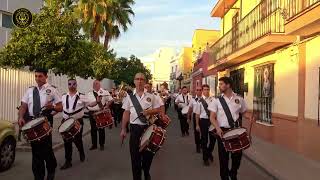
x=263, y=92
x=7, y=21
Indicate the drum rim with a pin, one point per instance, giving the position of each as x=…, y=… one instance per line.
x=74, y=121
x=101, y=111
x=39, y=138
x=34, y=125
x=234, y=134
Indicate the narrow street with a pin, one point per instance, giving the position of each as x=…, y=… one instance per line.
x=176, y=160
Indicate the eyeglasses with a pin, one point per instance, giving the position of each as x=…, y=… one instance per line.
x=72, y=84
x=141, y=79
x=199, y=90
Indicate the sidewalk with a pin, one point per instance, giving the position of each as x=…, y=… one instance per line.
x=281, y=163
x=57, y=141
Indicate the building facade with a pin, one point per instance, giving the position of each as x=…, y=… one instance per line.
x=7, y=7
x=269, y=48
x=185, y=66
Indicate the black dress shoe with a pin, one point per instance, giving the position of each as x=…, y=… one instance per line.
x=82, y=157
x=206, y=163
x=211, y=158
x=93, y=148
x=66, y=165
x=101, y=147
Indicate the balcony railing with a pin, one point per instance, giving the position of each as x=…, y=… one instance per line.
x=264, y=19
x=296, y=7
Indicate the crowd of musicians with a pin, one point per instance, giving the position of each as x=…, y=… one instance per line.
x=139, y=112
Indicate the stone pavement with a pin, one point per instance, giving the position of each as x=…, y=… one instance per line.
x=282, y=163
x=176, y=160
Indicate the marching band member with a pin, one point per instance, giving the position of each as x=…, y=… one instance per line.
x=74, y=104
x=148, y=89
x=203, y=124
x=192, y=114
x=137, y=106
x=36, y=98
x=183, y=100
x=105, y=102
x=219, y=119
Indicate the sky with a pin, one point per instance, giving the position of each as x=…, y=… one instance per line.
x=164, y=23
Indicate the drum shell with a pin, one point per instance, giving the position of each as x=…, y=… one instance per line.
x=237, y=143
x=103, y=119
x=156, y=140
x=72, y=131
x=38, y=132
x=163, y=121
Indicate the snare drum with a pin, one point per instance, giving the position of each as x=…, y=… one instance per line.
x=236, y=140
x=185, y=110
x=103, y=118
x=69, y=128
x=163, y=121
x=37, y=129
x=152, y=139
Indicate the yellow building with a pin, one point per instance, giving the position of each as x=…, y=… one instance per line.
x=202, y=38
x=156, y=63
x=270, y=48
x=185, y=66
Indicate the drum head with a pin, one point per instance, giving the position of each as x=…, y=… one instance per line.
x=185, y=110
x=182, y=105
x=211, y=128
x=66, y=125
x=146, y=136
x=33, y=123
x=234, y=132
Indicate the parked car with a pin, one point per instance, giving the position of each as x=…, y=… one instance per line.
x=7, y=145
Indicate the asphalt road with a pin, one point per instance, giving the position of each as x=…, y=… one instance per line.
x=176, y=160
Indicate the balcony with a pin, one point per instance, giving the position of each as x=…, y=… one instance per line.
x=302, y=17
x=260, y=31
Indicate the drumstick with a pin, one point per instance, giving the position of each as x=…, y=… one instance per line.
x=141, y=114
x=122, y=142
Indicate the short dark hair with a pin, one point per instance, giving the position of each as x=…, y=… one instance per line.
x=226, y=80
x=42, y=70
x=72, y=79
x=184, y=87
x=149, y=83
x=205, y=86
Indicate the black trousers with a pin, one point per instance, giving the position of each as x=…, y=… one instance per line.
x=94, y=132
x=225, y=173
x=139, y=160
x=117, y=112
x=183, y=123
x=205, y=135
x=43, y=156
x=77, y=140
x=197, y=139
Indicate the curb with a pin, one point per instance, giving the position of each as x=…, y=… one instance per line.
x=55, y=147
x=261, y=167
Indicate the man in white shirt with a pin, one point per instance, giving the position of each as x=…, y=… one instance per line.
x=138, y=124
x=74, y=104
x=42, y=98
x=203, y=124
x=106, y=101
x=148, y=89
x=192, y=114
x=219, y=120
x=182, y=101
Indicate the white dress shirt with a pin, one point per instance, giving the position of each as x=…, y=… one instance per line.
x=82, y=102
x=183, y=99
x=47, y=93
x=200, y=109
x=106, y=97
x=193, y=103
x=147, y=101
x=236, y=105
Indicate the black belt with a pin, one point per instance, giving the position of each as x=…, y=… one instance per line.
x=73, y=113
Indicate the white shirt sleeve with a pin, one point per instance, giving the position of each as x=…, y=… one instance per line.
x=191, y=103
x=56, y=96
x=126, y=104
x=213, y=106
x=157, y=102
x=243, y=106
x=25, y=97
x=177, y=99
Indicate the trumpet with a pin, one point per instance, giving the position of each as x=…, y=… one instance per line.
x=121, y=94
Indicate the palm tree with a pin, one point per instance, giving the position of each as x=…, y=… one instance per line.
x=119, y=14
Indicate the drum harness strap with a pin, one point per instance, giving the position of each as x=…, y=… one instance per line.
x=228, y=113
x=205, y=106
x=137, y=107
x=73, y=107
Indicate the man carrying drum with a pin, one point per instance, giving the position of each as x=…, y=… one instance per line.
x=203, y=124
x=137, y=106
x=74, y=104
x=106, y=101
x=225, y=110
x=182, y=101
x=38, y=100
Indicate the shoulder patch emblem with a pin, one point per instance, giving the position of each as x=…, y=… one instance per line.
x=237, y=101
x=149, y=99
x=48, y=91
